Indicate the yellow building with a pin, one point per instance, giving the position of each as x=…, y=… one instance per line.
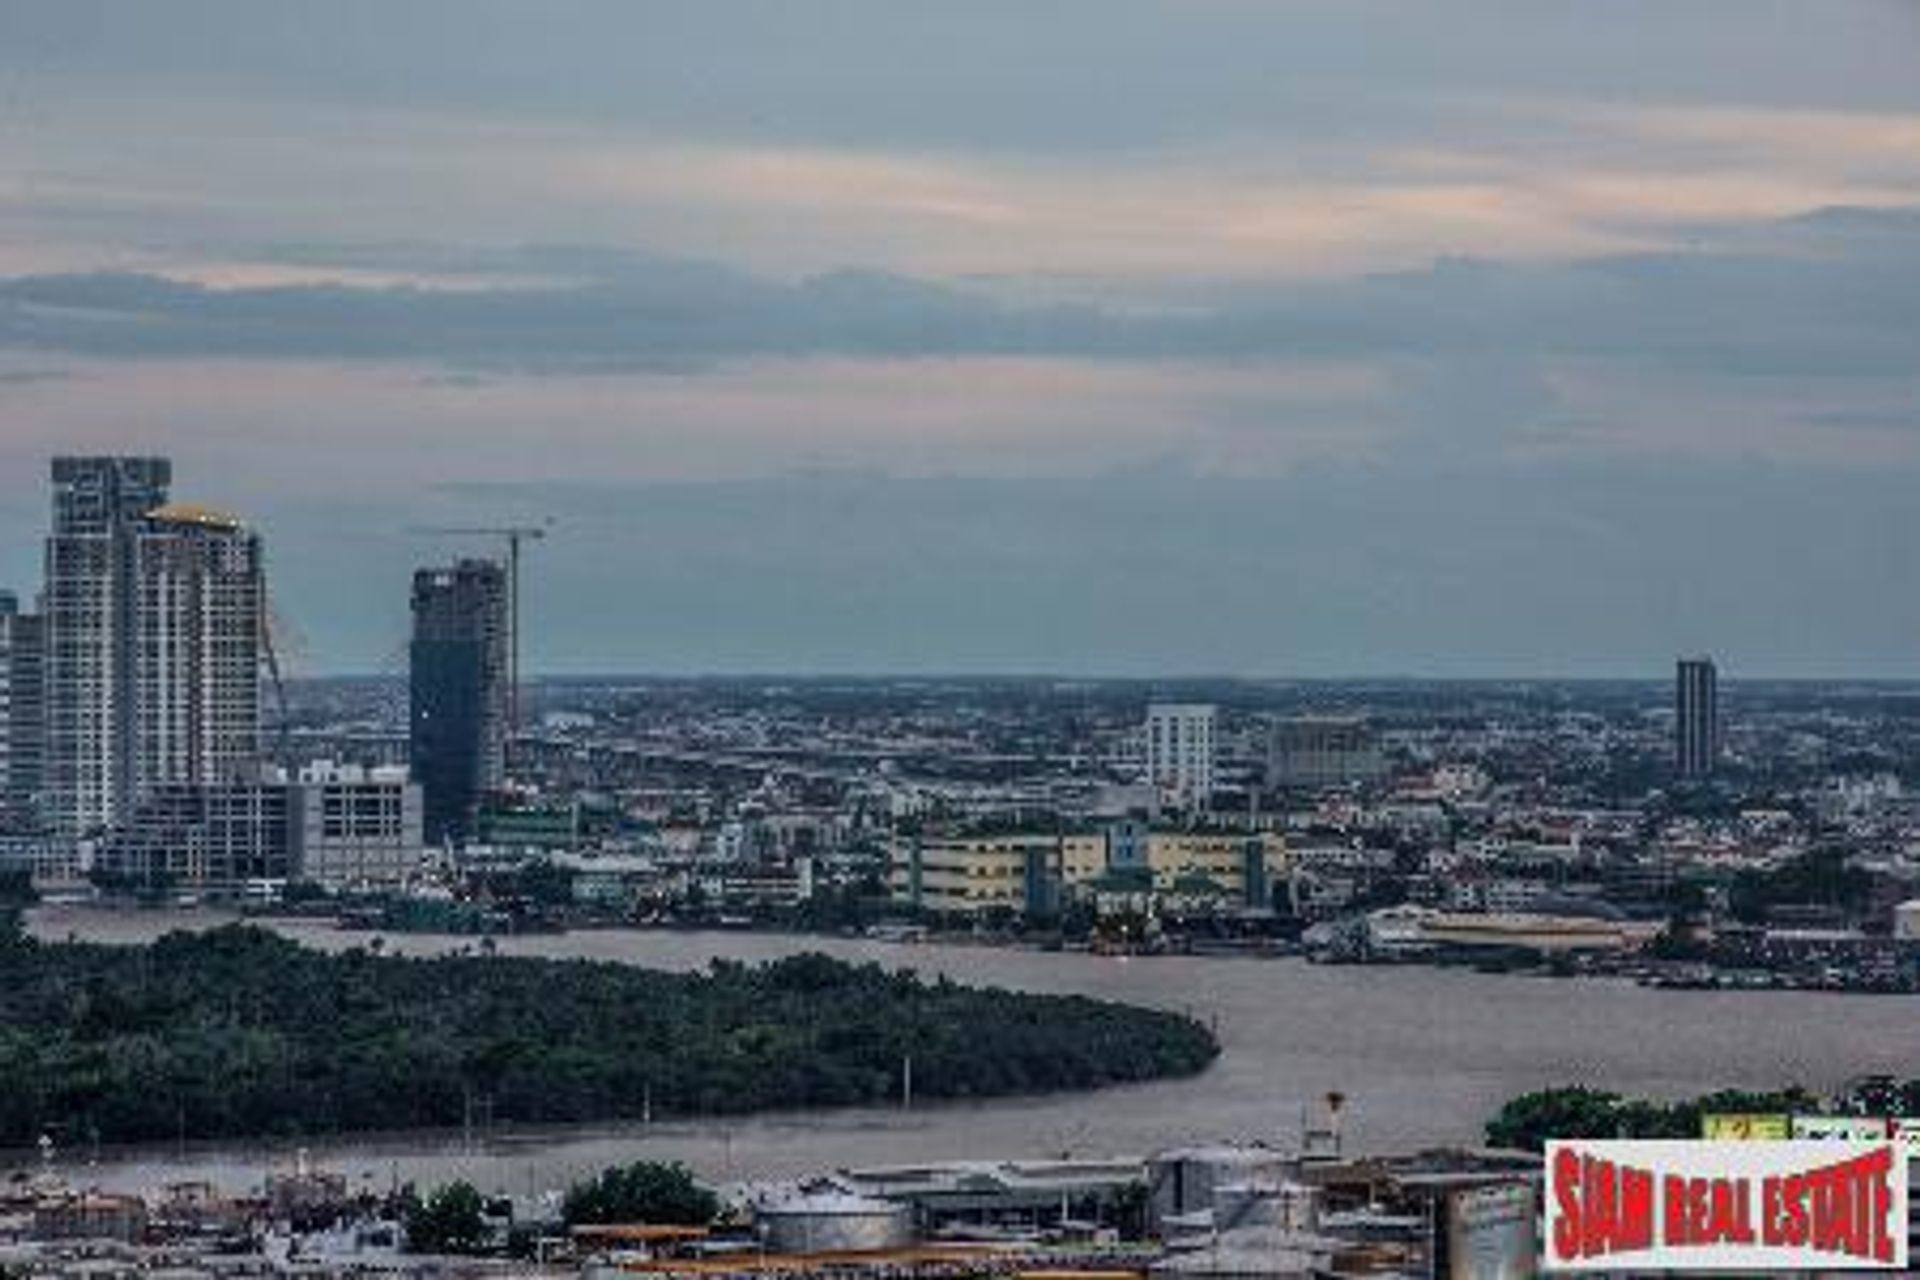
x=1031, y=872
x=969, y=875
x=1229, y=859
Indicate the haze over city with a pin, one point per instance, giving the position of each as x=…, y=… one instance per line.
x=863, y=640
x=1095, y=337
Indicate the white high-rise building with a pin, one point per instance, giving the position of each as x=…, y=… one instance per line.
x=154, y=630
x=199, y=621
x=1180, y=752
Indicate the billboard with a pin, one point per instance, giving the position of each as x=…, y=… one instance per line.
x=1824, y=1205
x=1842, y=1128
x=1745, y=1127
x=1491, y=1234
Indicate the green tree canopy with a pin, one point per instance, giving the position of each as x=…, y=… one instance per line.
x=451, y=1220
x=238, y=1031
x=657, y=1194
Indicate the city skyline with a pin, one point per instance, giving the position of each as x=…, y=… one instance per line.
x=1348, y=340
x=854, y=640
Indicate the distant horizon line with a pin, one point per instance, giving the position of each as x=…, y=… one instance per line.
x=1029, y=677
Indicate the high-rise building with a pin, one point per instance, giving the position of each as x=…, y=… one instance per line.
x=1696, y=718
x=22, y=716
x=459, y=692
x=1180, y=752
x=154, y=618
x=200, y=622
x=88, y=604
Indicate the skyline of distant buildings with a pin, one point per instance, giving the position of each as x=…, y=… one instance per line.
x=132, y=715
x=132, y=706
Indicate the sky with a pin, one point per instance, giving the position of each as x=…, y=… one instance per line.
x=1292, y=338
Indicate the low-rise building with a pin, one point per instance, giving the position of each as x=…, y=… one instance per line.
x=1323, y=751
x=1033, y=873
x=340, y=826
x=357, y=826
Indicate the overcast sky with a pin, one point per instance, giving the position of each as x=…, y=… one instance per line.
x=1082, y=336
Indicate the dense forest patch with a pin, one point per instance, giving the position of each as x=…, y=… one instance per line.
x=240, y=1032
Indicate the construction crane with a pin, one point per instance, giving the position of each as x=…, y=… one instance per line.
x=280, y=640
x=515, y=535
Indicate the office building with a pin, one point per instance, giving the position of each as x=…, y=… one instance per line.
x=459, y=692
x=1696, y=718
x=1180, y=752
x=22, y=717
x=1322, y=751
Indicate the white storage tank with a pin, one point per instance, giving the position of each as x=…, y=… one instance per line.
x=1180, y=1183
x=832, y=1222
x=1288, y=1206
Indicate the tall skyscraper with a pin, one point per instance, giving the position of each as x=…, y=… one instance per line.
x=155, y=615
x=459, y=691
x=1696, y=718
x=89, y=605
x=1180, y=751
x=22, y=716
x=200, y=625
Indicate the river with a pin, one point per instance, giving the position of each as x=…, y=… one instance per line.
x=1423, y=1055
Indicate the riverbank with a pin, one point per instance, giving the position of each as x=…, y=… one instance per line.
x=1425, y=1056
x=241, y=1031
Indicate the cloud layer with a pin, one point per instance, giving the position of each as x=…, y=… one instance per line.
x=1104, y=334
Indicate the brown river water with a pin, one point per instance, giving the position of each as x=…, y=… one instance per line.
x=1423, y=1055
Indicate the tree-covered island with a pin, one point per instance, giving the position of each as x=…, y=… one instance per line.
x=240, y=1032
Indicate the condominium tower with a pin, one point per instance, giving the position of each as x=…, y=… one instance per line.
x=154, y=618
x=22, y=716
x=1696, y=718
x=1180, y=752
x=459, y=691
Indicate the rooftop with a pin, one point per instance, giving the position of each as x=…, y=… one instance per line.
x=194, y=514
